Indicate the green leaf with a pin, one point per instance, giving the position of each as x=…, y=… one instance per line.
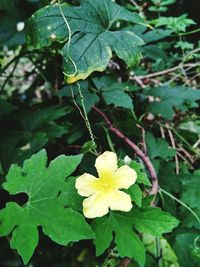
x=45, y=207
x=184, y=247
x=125, y=44
x=92, y=40
x=89, y=99
x=136, y=194
x=165, y=100
x=153, y=221
x=38, y=118
x=35, y=127
x=127, y=242
x=191, y=126
x=17, y=146
x=5, y=107
x=11, y=15
x=158, y=148
x=70, y=195
x=118, y=98
x=113, y=92
x=190, y=191
x=110, y=83
x=155, y=35
x=141, y=175
x=168, y=256
x=177, y=24
x=87, y=147
x=154, y=52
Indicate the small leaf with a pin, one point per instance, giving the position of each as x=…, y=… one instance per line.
x=191, y=126
x=118, y=98
x=158, y=147
x=177, y=24
x=153, y=221
x=136, y=194
x=141, y=175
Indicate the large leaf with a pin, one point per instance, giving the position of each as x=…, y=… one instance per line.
x=93, y=38
x=166, y=100
x=147, y=220
x=45, y=207
x=126, y=240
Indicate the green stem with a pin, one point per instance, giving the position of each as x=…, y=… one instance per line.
x=87, y=122
x=158, y=250
x=182, y=204
x=109, y=140
x=68, y=43
x=188, y=33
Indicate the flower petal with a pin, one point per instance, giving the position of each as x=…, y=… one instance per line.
x=95, y=206
x=119, y=200
x=125, y=177
x=85, y=184
x=106, y=163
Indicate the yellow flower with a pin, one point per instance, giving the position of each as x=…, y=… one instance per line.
x=103, y=192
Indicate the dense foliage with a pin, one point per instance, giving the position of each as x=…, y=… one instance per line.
x=82, y=77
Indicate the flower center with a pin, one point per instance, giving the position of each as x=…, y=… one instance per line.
x=106, y=183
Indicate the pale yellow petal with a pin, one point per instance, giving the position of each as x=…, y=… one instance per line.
x=119, y=200
x=85, y=184
x=106, y=163
x=125, y=177
x=95, y=206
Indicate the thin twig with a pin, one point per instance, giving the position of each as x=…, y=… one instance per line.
x=17, y=57
x=191, y=53
x=139, y=81
x=187, y=154
x=162, y=131
x=179, y=74
x=183, y=158
x=135, y=4
x=10, y=75
x=163, y=72
x=143, y=138
x=136, y=149
x=197, y=143
x=192, y=79
x=174, y=147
